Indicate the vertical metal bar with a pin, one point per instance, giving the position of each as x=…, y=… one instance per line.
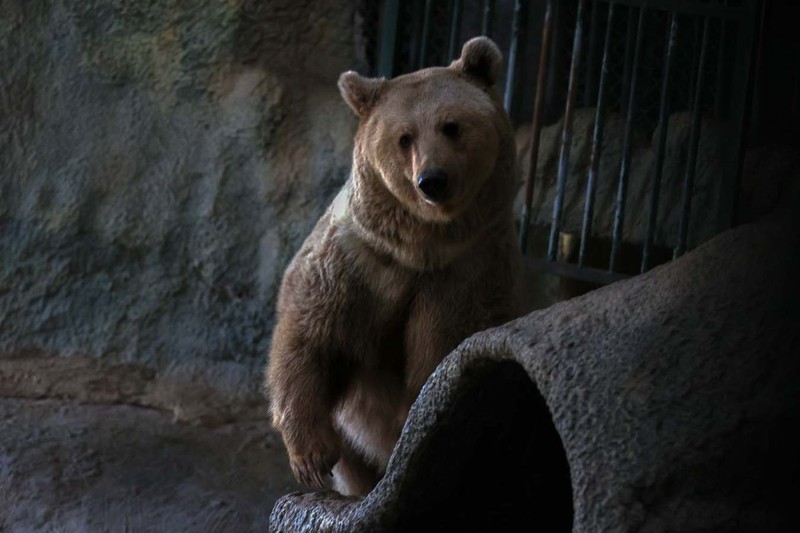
x=591, y=59
x=553, y=91
x=455, y=27
x=719, y=98
x=695, y=62
x=624, y=171
x=566, y=133
x=729, y=211
x=426, y=26
x=488, y=18
x=694, y=142
x=389, y=21
x=663, y=124
x=512, y=56
x=413, y=19
x=536, y=123
x=597, y=140
x=626, y=65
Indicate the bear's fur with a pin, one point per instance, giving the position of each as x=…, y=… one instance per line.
x=390, y=282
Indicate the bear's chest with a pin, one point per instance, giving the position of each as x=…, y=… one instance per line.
x=392, y=310
x=379, y=310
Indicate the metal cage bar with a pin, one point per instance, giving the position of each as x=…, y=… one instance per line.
x=455, y=25
x=566, y=134
x=592, y=275
x=696, y=43
x=512, y=55
x=413, y=34
x=694, y=143
x=693, y=7
x=622, y=188
x=488, y=18
x=747, y=68
x=388, y=44
x=536, y=124
x=426, y=28
x=719, y=98
x=591, y=59
x=626, y=72
x=663, y=124
x=597, y=141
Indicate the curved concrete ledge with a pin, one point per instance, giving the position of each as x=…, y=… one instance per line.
x=662, y=403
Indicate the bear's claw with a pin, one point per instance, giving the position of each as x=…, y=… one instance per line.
x=312, y=470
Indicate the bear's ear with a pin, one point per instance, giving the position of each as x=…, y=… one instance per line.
x=360, y=93
x=481, y=60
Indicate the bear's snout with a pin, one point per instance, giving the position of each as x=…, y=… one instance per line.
x=433, y=184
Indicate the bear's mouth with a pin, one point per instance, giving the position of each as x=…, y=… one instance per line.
x=438, y=212
x=432, y=203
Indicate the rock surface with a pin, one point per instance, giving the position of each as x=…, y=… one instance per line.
x=160, y=162
x=674, y=395
x=86, y=468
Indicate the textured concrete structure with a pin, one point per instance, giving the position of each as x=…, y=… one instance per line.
x=160, y=162
x=674, y=395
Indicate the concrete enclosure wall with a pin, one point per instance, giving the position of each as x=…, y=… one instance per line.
x=160, y=161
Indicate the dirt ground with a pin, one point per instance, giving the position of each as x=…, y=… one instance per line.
x=66, y=467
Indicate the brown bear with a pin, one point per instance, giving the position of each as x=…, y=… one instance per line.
x=417, y=252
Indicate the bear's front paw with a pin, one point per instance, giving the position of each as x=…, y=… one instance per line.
x=313, y=460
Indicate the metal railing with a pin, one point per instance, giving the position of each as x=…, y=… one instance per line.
x=409, y=40
x=702, y=52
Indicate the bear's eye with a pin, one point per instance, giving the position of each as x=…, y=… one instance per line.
x=405, y=141
x=450, y=129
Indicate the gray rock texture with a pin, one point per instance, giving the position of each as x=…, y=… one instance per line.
x=70, y=468
x=674, y=395
x=160, y=162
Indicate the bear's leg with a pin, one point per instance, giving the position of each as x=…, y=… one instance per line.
x=352, y=475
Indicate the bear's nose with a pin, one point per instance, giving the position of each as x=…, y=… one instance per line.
x=433, y=184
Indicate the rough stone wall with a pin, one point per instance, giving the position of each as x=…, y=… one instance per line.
x=160, y=162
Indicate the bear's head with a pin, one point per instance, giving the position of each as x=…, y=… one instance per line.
x=437, y=139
